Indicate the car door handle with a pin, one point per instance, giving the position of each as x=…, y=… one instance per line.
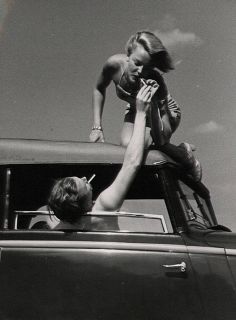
x=181, y=266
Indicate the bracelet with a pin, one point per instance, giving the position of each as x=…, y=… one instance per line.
x=97, y=128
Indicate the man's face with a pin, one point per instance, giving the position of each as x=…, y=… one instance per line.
x=138, y=59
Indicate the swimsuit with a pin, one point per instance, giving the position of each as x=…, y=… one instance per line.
x=169, y=105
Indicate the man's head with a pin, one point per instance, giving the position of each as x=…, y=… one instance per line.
x=70, y=197
x=145, y=49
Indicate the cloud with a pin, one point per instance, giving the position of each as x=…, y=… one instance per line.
x=209, y=127
x=177, y=38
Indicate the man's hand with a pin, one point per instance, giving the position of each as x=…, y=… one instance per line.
x=143, y=98
x=96, y=136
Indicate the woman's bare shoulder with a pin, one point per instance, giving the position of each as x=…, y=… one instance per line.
x=116, y=60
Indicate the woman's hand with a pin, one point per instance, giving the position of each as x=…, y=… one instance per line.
x=150, y=82
x=143, y=98
x=96, y=135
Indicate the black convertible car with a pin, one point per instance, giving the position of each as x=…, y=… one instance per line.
x=162, y=256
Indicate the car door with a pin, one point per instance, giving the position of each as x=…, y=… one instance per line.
x=214, y=281
x=96, y=277
x=207, y=253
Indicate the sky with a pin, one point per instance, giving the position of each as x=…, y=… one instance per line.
x=51, y=53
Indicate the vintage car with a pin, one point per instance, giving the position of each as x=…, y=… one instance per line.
x=162, y=256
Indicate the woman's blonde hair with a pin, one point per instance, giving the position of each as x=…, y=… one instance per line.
x=153, y=45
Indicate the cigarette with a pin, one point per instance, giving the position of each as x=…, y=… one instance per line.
x=143, y=82
x=93, y=176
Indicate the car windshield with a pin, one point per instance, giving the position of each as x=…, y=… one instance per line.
x=196, y=209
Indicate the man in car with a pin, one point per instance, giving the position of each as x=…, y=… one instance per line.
x=71, y=197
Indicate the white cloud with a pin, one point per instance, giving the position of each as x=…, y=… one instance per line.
x=209, y=127
x=177, y=38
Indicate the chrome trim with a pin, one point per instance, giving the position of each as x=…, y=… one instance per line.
x=32, y=212
x=95, y=213
x=230, y=252
x=207, y=250
x=6, y=197
x=92, y=245
x=28, y=213
x=110, y=245
x=137, y=215
x=181, y=266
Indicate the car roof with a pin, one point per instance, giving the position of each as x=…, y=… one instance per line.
x=28, y=151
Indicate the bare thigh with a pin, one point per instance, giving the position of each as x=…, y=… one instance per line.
x=127, y=132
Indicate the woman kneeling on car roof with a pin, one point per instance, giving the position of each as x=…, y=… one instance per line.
x=145, y=61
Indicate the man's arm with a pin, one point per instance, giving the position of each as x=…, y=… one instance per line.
x=111, y=199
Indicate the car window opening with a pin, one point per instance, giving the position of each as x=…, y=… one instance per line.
x=144, y=209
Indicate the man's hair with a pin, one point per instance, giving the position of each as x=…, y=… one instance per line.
x=65, y=201
x=153, y=45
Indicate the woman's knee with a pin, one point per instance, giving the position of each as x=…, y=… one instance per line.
x=127, y=132
x=124, y=141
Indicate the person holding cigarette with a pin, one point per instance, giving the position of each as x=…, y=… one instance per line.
x=145, y=61
x=71, y=197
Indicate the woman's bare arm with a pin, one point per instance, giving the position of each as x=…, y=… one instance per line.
x=99, y=96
